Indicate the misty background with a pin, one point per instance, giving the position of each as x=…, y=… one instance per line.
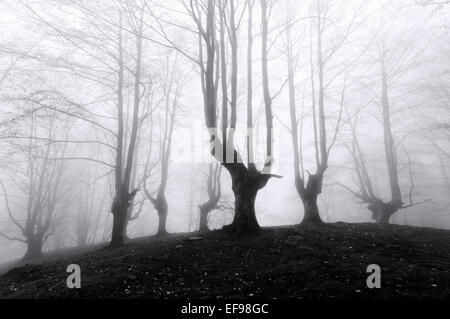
x=58, y=109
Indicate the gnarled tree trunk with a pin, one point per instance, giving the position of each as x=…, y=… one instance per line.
x=214, y=188
x=382, y=212
x=309, y=189
x=34, y=247
x=205, y=209
x=118, y=230
x=204, y=212
x=245, y=185
x=311, y=216
x=162, y=209
x=246, y=181
x=123, y=198
x=309, y=197
x=119, y=210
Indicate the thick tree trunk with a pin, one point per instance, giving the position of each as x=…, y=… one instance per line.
x=245, y=188
x=312, y=216
x=309, y=198
x=384, y=218
x=206, y=208
x=382, y=212
x=119, y=211
x=119, y=222
x=245, y=217
x=162, y=209
x=162, y=223
x=203, y=219
x=34, y=248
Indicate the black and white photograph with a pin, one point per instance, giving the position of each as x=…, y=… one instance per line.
x=220, y=156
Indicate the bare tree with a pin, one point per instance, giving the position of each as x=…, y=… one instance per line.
x=381, y=210
x=246, y=180
x=44, y=183
x=397, y=54
x=172, y=88
x=310, y=187
x=124, y=196
x=101, y=39
x=213, y=187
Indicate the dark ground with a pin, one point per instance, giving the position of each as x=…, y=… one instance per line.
x=323, y=262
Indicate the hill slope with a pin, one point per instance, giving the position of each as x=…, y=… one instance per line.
x=323, y=262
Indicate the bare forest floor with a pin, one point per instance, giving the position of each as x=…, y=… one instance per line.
x=323, y=262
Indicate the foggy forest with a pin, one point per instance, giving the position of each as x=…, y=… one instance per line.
x=224, y=132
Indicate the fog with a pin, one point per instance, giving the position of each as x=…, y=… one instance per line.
x=107, y=109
